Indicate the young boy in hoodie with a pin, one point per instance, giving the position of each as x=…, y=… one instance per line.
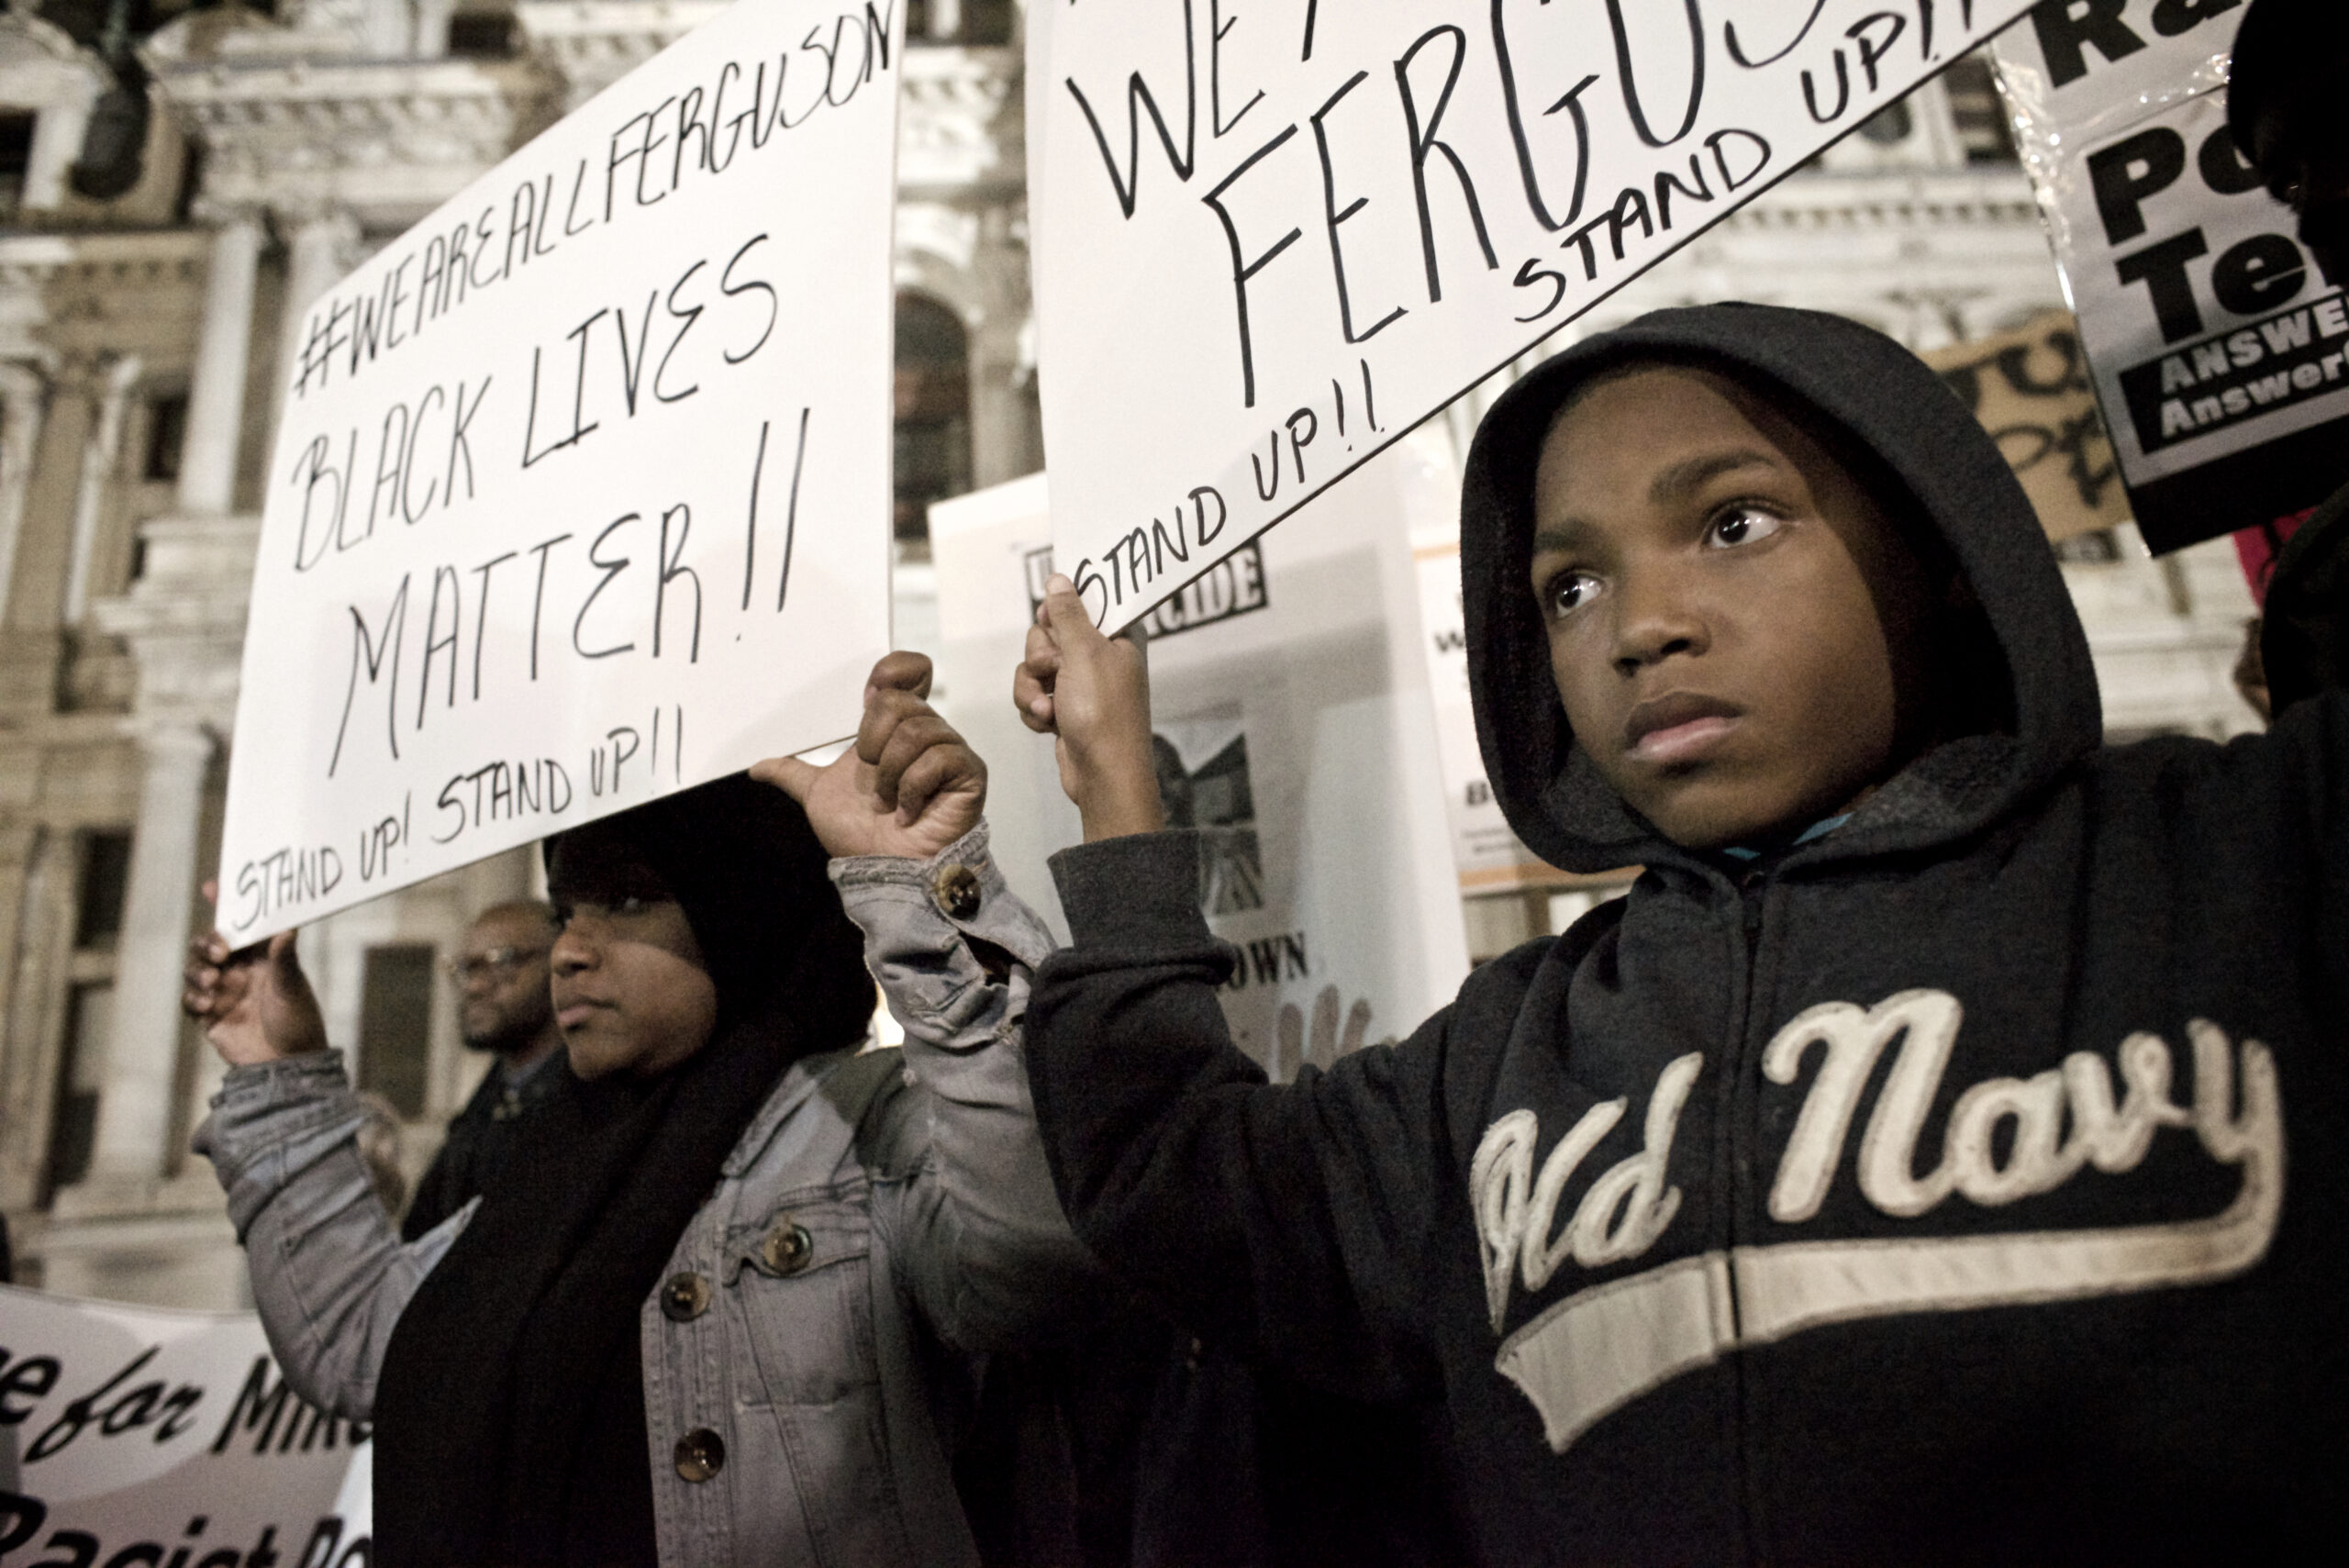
x=1899, y=1173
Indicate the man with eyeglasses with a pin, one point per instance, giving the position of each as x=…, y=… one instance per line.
x=502, y=984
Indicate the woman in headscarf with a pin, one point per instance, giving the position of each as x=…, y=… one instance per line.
x=733, y=1303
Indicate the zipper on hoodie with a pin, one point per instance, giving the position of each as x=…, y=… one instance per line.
x=1739, y=1134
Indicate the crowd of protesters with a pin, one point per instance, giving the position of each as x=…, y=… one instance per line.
x=1932, y=1158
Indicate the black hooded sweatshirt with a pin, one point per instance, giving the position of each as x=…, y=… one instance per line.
x=1966, y=1185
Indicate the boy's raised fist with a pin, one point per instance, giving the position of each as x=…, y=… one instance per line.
x=1091, y=692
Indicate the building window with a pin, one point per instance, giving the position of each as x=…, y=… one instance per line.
x=81, y=1072
x=105, y=874
x=933, y=412
x=975, y=22
x=1979, y=112
x=166, y=433
x=1889, y=125
x=481, y=35
x=395, y=1024
x=15, y=157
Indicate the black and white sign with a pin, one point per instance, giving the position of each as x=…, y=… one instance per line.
x=2217, y=345
x=582, y=492
x=1296, y=738
x=1273, y=235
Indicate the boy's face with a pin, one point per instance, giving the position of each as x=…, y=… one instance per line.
x=1735, y=628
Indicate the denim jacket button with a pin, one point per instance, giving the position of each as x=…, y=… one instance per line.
x=701, y=1453
x=684, y=1298
x=956, y=890
x=787, y=1248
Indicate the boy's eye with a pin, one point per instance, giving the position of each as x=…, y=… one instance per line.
x=630, y=903
x=1568, y=592
x=561, y=917
x=1741, y=524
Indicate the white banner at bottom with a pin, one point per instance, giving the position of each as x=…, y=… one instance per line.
x=140, y=1436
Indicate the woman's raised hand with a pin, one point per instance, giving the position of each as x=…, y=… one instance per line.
x=1091, y=692
x=255, y=1003
x=910, y=786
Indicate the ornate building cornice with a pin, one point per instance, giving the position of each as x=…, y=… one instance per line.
x=304, y=123
x=1921, y=199
x=183, y=619
x=594, y=43
x=45, y=278
x=961, y=126
x=960, y=117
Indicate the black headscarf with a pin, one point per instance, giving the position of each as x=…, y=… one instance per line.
x=510, y=1422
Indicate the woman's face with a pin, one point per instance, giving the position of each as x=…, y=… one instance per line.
x=630, y=992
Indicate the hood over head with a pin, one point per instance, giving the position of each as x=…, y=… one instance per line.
x=1878, y=396
x=754, y=882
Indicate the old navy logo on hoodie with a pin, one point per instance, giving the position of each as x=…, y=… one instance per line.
x=1605, y=1345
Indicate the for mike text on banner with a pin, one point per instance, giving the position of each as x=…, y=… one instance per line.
x=131, y=1433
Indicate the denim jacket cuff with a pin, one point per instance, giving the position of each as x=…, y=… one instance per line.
x=271, y=1121
x=920, y=918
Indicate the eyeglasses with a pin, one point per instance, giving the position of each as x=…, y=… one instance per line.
x=464, y=971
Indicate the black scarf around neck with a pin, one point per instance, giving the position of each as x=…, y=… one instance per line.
x=509, y=1417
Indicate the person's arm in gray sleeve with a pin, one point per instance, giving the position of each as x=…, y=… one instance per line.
x=967, y=1198
x=329, y=1273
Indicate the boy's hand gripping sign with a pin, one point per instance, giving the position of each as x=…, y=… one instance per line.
x=1272, y=235
x=582, y=490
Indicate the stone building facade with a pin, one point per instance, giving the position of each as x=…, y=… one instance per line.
x=179, y=180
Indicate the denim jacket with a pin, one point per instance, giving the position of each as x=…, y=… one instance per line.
x=812, y=1350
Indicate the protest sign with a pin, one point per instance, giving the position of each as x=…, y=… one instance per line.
x=1294, y=734
x=130, y=1434
x=1489, y=856
x=582, y=491
x=1272, y=235
x=2216, y=344
x=2031, y=390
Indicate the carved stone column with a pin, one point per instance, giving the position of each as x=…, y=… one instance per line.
x=432, y=28
x=216, y=394
x=184, y=622
x=21, y=407
x=135, y=1107
x=99, y=457
x=318, y=244
x=44, y=540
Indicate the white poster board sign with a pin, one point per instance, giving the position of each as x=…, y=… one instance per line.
x=1489, y=855
x=582, y=490
x=1272, y=235
x=2217, y=346
x=135, y=1434
x=1293, y=732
